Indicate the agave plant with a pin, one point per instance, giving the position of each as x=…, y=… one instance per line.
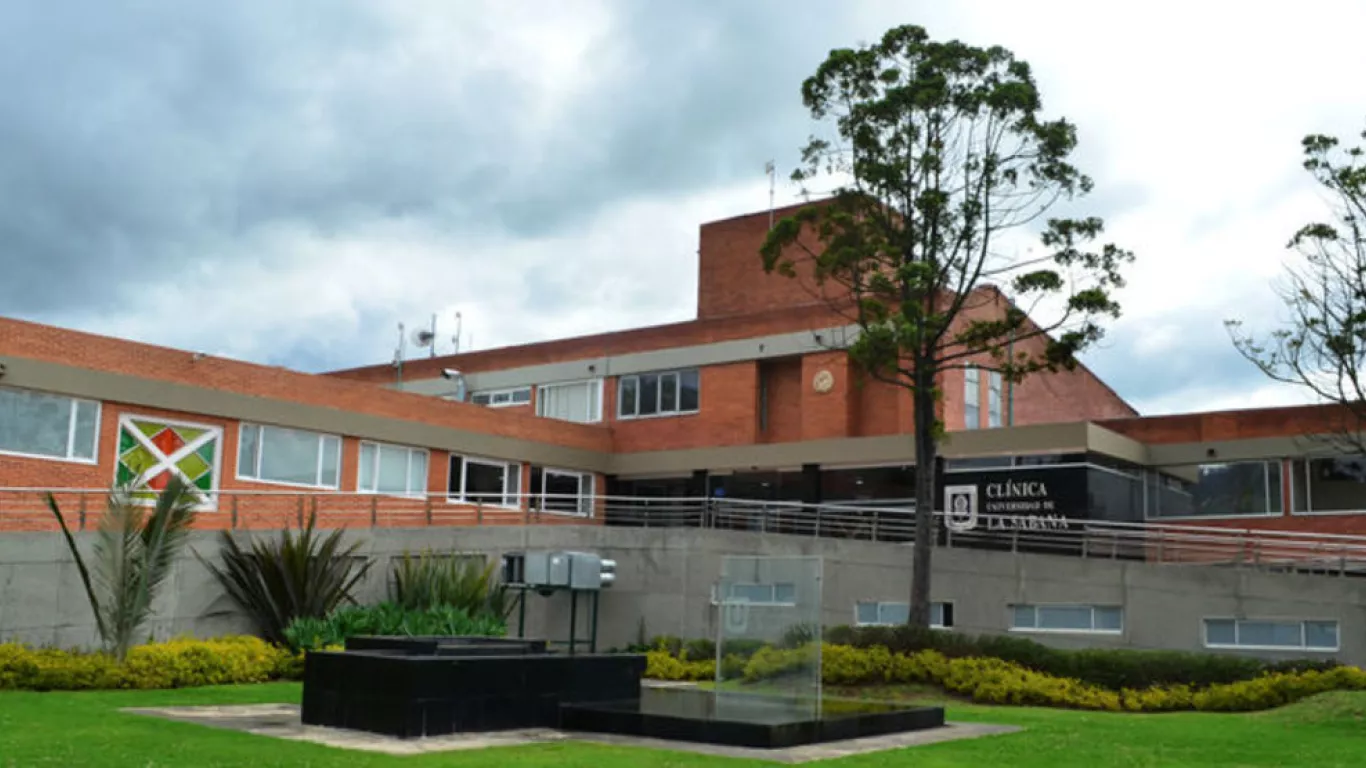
x=133, y=554
x=426, y=581
x=298, y=575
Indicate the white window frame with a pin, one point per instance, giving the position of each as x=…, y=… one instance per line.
x=502, y=398
x=208, y=499
x=939, y=604
x=255, y=477
x=972, y=397
x=596, y=397
x=677, y=374
x=1304, y=634
x=773, y=600
x=586, y=502
x=512, y=495
x=70, y=456
x=1065, y=631
x=995, y=389
x=408, y=474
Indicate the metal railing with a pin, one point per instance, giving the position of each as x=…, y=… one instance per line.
x=24, y=509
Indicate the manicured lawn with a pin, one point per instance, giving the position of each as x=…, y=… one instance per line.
x=84, y=729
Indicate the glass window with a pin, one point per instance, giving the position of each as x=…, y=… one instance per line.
x=626, y=395
x=1336, y=484
x=578, y=401
x=502, y=398
x=288, y=456
x=689, y=390
x=1214, y=490
x=892, y=613
x=1067, y=618
x=994, y=399
x=972, y=393
x=563, y=491
x=655, y=394
x=47, y=426
x=1278, y=634
x=649, y=395
x=484, y=481
x=392, y=469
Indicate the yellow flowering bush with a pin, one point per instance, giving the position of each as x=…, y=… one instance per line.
x=177, y=663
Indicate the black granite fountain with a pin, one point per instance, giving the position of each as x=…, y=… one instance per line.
x=412, y=687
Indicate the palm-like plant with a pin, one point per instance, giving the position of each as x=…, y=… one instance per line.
x=303, y=575
x=133, y=555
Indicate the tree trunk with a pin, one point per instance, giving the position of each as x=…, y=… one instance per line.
x=925, y=454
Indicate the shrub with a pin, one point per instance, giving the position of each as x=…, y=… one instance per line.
x=661, y=665
x=294, y=576
x=1114, y=669
x=426, y=581
x=177, y=663
x=133, y=554
x=768, y=663
x=698, y=650
x=388, y=619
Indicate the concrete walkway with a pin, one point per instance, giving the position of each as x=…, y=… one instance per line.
x=282, y=721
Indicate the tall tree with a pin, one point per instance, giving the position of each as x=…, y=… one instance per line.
x=1323, y=346
x=941, y=151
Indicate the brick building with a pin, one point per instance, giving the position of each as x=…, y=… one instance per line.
x=752, y=400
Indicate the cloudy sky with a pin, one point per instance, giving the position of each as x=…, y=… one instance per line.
x=286, y=181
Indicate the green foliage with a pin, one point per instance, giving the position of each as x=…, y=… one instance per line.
x=1114, y=669
x=310, y=633
x=133, y=555
x=661, y=665
x=296, y=575
x=945, y=149
x=178, y=663
x=996, y=681
x=428, y=580
x=1323, y=346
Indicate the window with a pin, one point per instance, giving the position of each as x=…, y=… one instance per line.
x=1217, y=490
x=781, y=593
x=658, y=394
x=48, y=426
x=288, y=456
x=563, y=491
x=1067, y=618
x=392, y=469
x=485, y=481
x=1336, y=484
x=872, y=613
x=994, y=399
x=502, y=398
x=1310, y=635
x=579, y=401
x=972, y=394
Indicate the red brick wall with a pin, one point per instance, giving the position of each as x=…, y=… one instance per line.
x=1232, y=425
x=83, y=350
x=784, y=400
x=728, y=414
x=731, y=278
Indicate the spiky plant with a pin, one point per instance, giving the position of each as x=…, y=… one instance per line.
x=133, y=555
x=426, y=581
x=297, y=575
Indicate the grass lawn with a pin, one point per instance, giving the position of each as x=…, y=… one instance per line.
x=84, y=729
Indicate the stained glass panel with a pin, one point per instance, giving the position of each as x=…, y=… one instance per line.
x=146, y=447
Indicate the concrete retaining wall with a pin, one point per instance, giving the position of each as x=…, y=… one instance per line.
x=665, y=576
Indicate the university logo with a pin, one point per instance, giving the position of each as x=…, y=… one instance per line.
x=960, y=505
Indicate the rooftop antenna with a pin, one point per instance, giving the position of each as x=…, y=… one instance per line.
x=456, y=337
x=398, y=354
x=772, y=172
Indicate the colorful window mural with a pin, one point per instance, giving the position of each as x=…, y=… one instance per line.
x=150, y=450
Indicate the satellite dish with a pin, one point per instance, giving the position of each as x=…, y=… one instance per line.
x=423, y=337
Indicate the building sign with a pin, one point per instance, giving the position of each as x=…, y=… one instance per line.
x=1034, y=499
